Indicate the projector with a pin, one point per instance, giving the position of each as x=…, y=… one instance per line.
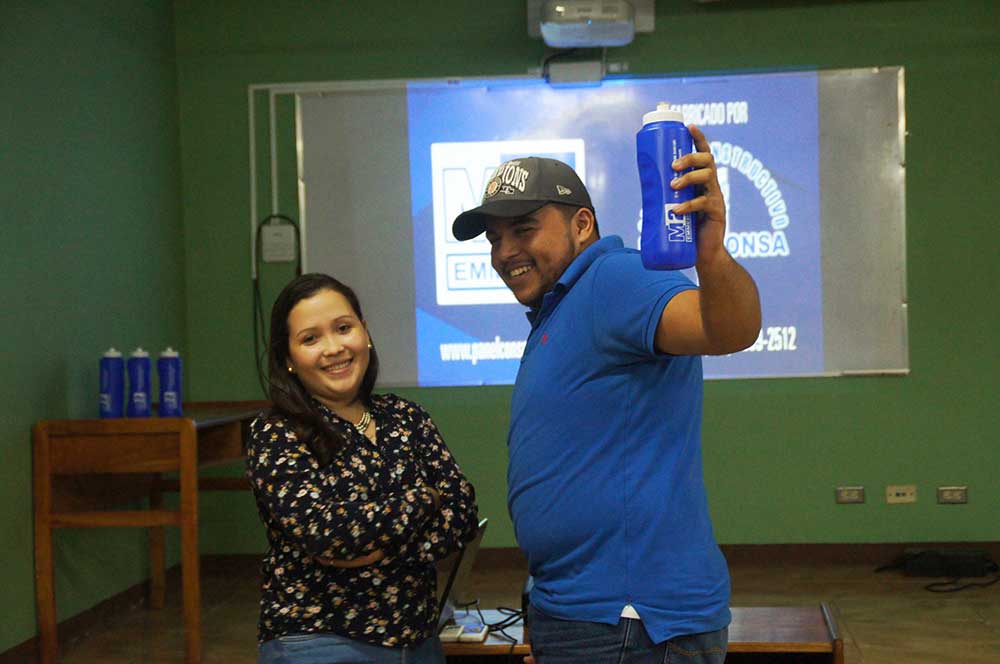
x=587, y=23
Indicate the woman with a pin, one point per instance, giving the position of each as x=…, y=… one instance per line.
x=359, y=494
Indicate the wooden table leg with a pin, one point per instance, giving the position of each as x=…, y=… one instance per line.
x=190, y=585
x=837, y=655
x=44, y=569
x=157, y=553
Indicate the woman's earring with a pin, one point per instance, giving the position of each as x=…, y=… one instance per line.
x=370, y=345
x=290, y=370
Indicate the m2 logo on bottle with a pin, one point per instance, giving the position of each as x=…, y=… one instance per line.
x=678, y=225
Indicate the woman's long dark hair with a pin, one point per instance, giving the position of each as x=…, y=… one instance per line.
x=290, y=398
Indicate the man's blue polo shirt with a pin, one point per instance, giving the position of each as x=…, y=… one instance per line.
x=605, y=478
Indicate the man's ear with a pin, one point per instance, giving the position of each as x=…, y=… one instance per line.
x=583, y=225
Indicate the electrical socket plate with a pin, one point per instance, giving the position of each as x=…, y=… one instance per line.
x=901, y=493
x=846, y=495
x=952, y=495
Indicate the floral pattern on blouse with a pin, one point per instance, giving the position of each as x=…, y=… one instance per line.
x=370, y=496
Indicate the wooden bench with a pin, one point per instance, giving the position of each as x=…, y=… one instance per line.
x=756, y=634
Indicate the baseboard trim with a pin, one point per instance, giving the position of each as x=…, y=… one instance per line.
x=840, y=554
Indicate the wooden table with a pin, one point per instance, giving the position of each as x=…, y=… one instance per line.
x=84, y=468
x=755, y=634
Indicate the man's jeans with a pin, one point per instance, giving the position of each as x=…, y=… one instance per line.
x=333, y=649
x=555, y=641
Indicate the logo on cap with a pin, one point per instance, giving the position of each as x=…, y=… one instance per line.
x=509, y=178
x=563, y=191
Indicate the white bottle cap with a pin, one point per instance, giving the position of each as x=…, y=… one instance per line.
x=169, y=352
x=139, y=352
x=663, y=113
x=111, y=352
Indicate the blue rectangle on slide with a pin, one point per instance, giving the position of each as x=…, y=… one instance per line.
x=763, y=131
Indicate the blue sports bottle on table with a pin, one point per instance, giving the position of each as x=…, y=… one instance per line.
x=168, y=368
x=668, y=239
x=138, y=384
x=112, y=395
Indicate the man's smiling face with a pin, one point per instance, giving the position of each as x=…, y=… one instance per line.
x=531, y=252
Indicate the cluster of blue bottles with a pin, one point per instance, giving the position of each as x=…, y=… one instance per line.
x=668, y=239
x=112, y=396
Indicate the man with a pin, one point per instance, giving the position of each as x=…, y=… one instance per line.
x=605, y=480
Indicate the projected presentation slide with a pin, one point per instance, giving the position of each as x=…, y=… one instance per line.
x=763, y=131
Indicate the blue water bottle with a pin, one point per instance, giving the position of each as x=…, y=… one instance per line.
x=168, y=368
x=138, y=384
x=112, y=395
x=668, y=240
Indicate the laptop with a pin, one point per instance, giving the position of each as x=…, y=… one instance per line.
x=453, y=575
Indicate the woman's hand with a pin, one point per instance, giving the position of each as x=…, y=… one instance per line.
x=363, y=561
x=378, y=554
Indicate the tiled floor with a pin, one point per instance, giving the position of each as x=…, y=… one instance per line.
x=884, y=618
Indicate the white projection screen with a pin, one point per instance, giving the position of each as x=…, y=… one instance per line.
x=812, y=164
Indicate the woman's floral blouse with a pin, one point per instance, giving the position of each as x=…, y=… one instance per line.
x=371, y=496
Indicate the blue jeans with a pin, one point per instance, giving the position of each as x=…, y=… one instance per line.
x=328, y=648
x=555, y=641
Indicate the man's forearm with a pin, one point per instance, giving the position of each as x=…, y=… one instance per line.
x=730, y=304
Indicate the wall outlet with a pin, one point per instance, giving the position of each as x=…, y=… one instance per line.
x=952, y=495
x=846, y=495
x=901, y=493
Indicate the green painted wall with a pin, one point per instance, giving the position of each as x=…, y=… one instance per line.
x=91, y=254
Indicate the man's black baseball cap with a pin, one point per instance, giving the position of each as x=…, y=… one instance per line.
x=520, y=186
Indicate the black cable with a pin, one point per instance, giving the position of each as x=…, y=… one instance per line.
x=258, y=335
x=498, y=628
x=558, y=53
x=514, y=616
x=891, y=566
x=950, y=587
x=953, y=587
x=555, y=56
x=257, y=307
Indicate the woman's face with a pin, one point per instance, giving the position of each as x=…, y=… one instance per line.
x=328, y=347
